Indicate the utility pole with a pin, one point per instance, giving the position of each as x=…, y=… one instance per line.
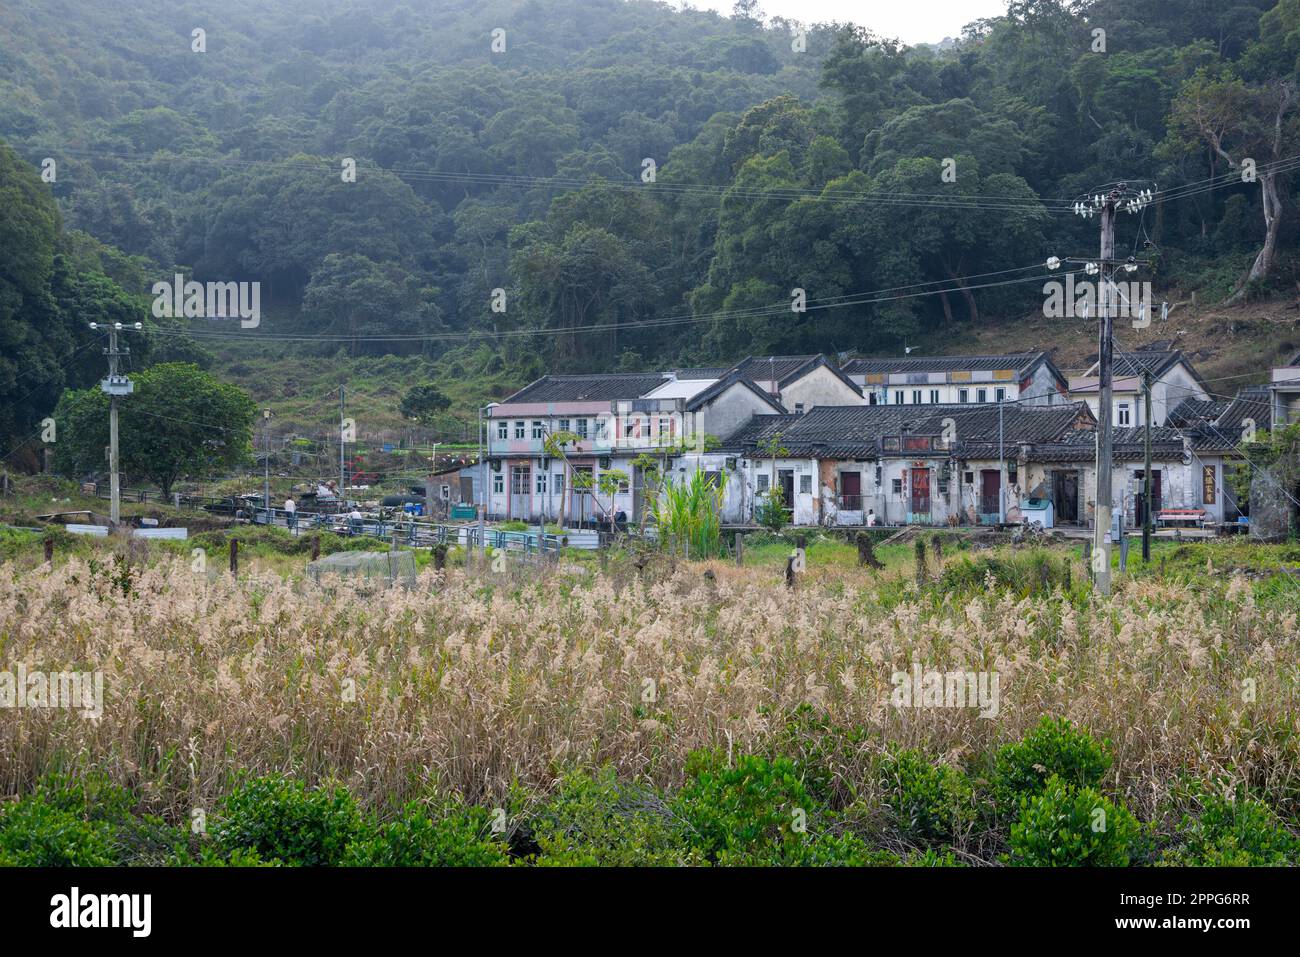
x=1102, y=541
x=1146, y=472
x=266, y=466
x=1106, y=205
x=116, y=385
x=1002, y=471
x=343, y=432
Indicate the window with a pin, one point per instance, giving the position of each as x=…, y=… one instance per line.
x=934, y=396
x=871, y=399
x=963, y=396
x=968, y=478
x=558, y=484
x=805, y=484
x=916, y=397
x=519, y=480
x=1013, y=473
x=663, y=426
x=519, y=430
x=538, y=428
x=1122, y=418
x=503, y=430
x=541, y=483
x=580, y=427
x=498, y=484
x=798, y=407
x=981, y=395
x=1000, y=394
x=631, y=427
x=1207, y=485
x=763, y=480
x=898, y=397
x=564, y=425
x=602, y=428
x=897, y=486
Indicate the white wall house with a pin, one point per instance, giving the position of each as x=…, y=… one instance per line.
x=1173, y=380
x=617, y=419
x=1028, y=377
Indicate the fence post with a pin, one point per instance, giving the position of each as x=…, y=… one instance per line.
x=234, y=557
x=315, y=547
x=49, y=550
x=740, y=550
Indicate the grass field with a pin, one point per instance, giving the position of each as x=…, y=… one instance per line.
x=659, y=712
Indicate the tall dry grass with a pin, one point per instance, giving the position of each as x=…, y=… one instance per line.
x=471, y=687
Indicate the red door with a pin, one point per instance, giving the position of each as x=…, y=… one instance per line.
x=851, y=491
x=920, y=491
x=990, y=491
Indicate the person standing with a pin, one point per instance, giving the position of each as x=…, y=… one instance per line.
x=291, y=514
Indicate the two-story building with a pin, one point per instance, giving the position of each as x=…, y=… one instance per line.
x=1030, y=378
x=616, y=419
x=1173, y=379
x=1285, y=392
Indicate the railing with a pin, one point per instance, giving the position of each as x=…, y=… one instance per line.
x=400, y=529
x=850, y=503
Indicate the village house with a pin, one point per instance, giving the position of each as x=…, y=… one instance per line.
x=834, y=464
x=1285, y=392
x=1173, y=379
x=617, y=419
x=1030, y=378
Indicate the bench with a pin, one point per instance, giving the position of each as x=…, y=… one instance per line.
x=1181, y=517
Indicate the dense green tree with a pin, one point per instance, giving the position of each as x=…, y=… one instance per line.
x=178, y=422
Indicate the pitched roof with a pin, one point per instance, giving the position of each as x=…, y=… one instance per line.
x=1191, y=412
x=1226, y=432
x=853, y=431
x=767, y=367
x=588, y=388
x=705, y=396
x=1020, y=361
x=1127, y=444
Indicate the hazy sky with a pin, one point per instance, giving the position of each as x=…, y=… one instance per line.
x=913, y=21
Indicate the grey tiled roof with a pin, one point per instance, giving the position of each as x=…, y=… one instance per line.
x=901, y=364
x=589, y=388
x=853, y=431
x=1226, y=432
x=1190, y=412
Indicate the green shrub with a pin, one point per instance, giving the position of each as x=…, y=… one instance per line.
x=830, y=759
x=459, y=838
x=759, y=813
x=929, y=801
x=1241, y=832
x=35, y=833
x=1054, y=747
x=1069, y=826
x=594, y=821
x=283, y=820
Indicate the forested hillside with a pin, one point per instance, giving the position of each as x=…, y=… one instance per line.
x=781, y=160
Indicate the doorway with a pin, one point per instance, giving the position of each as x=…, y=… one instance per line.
x=1139, y=500
x=1065, y=496
x=920, y=495
x=851, y=491
x=990, y=494
x=519, y=497
x=786, y=478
